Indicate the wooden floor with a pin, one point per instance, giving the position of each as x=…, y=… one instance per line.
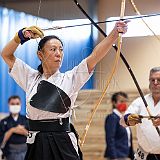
x=94, y=146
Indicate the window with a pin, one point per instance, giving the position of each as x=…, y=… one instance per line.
x=136, y=27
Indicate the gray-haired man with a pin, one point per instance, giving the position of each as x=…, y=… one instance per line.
x=148, y=138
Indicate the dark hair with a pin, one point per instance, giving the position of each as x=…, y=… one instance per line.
x=114, y=97
x=41, y=45
x=13, y=97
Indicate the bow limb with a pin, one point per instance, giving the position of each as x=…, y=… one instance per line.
x=95, y=108
x=138, y=13
x=100, y=99
x=120, y=34
x=124, y=61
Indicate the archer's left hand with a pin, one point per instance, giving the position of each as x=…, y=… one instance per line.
x=121, y=26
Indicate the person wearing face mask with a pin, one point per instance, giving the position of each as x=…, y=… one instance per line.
x=118, y=138
x=13, y=131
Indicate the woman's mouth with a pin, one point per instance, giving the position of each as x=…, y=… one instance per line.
x=58, y=60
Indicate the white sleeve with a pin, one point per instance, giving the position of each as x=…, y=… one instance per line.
x=134, y=107
x=80, y=75
x=22, y=73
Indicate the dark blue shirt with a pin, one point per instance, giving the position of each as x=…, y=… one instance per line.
x=7, y=123
x=116, y=138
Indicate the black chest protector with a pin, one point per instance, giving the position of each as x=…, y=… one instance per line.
x=50, y=98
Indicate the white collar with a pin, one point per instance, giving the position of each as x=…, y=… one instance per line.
x=15, y=117
x=119, y=114
x=150, y=95
x=53, y=75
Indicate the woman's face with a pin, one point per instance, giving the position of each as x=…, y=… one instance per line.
x=51, y=54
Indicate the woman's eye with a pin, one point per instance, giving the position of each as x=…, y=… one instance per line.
x=53, y=49
x=61, y=49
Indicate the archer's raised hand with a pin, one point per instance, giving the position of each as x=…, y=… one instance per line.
x=33, y=32
x=28, y=33
x=121, y=26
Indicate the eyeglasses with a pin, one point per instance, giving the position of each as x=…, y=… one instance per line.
x=154, y=80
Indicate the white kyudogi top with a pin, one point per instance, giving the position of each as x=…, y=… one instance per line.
x=70, y=82
x=147, y=135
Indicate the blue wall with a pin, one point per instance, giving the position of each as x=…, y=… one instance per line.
x=77, y=45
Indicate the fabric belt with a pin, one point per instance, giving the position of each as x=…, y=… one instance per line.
x=156, y=155
x=50, y=125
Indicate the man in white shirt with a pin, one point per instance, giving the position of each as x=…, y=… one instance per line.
x=148, y=138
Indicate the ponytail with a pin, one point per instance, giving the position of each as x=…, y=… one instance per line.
x=40, y=68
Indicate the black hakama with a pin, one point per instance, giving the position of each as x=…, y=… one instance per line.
x=52, y=146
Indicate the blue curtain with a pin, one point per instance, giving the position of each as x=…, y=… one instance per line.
x=78, y=44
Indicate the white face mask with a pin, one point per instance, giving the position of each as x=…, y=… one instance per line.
x=14, y=109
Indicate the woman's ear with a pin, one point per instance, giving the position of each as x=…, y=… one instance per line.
x=40, y=55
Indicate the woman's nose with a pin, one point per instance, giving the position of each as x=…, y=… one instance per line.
x=58, y=53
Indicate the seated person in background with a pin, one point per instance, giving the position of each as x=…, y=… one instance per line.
x=118, y=138
x=13, y=132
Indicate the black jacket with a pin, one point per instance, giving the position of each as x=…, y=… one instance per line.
x=6, y=124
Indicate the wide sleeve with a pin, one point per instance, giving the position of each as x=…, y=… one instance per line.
x=22, y=73
x=110, y=129
x=134, y=107
x=80, y=75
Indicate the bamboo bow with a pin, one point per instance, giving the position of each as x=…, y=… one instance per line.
x=108, y=80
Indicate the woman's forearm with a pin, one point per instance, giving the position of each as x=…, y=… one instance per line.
x=8, y=52
x=102, y=49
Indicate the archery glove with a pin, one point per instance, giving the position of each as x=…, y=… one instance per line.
x=28, y=33
x=132, y=119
